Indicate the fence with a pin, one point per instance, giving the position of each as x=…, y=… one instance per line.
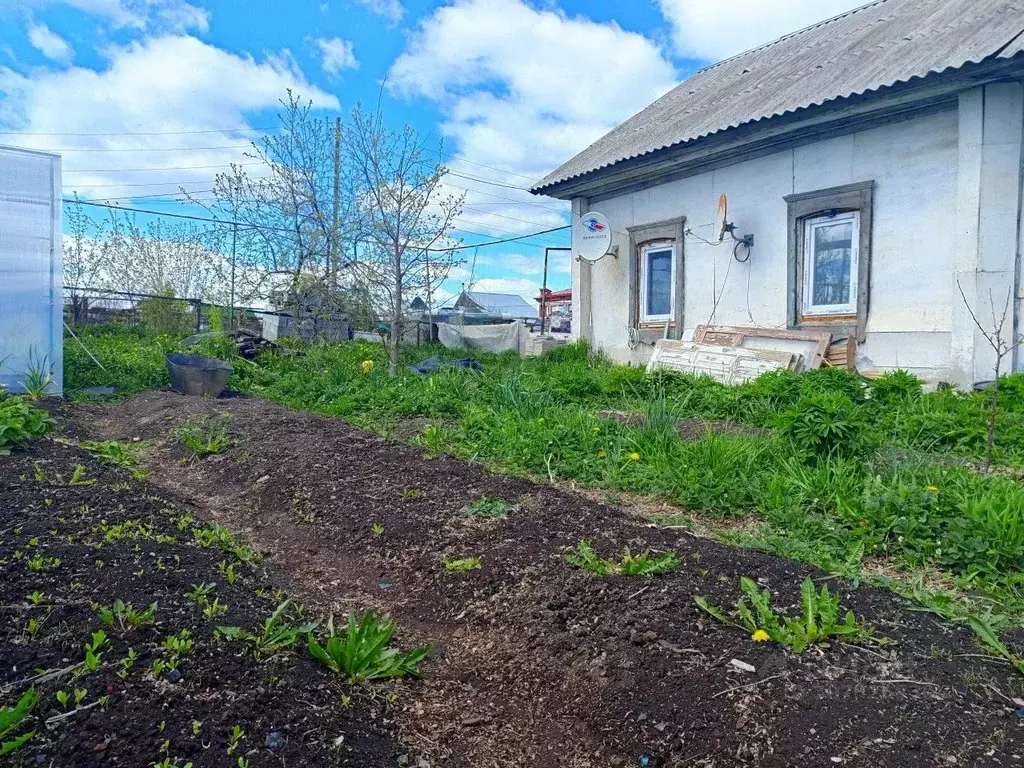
x=166, y=314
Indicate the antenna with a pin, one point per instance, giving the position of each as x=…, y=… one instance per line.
x=722, y=220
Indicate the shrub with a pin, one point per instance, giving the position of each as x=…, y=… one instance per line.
x=895, y=387
x=826, y=424
x=363, y=651
x=19, y=423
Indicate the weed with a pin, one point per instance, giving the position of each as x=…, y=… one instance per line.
x=408, y=494
x=819, y=619
x=180, y=644
x=36, y=598
x=204, y=435
x=488, y=507
x=461, y=565
x=362, y=650
x=275, y=637
x=221, y=538
x=377, y=530
x=117, y=454
x=989, y=639
x=127, y=663
x=123, y=617
x=643, y=564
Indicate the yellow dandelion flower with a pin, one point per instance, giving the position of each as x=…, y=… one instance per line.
x=366, y=365
x=634, y=456
x=933, y=488
x=760, y=636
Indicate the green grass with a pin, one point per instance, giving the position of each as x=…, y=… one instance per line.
x=837, y=469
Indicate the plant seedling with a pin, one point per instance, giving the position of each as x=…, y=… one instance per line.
x=78, y=477
x=94, y=650
x=235, y=738
x=12, y=719
x=362, y=650
x=377, y=530
x=38, y=563
x=461, y=565
x=36, y=598
x=123, y=617
x=818, y=622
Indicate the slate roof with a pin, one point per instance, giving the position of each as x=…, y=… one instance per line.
x=878, y=45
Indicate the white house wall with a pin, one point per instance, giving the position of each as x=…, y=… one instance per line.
x=914, y=165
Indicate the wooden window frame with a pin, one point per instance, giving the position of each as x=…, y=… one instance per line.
x=805, y=206
x=668, y=231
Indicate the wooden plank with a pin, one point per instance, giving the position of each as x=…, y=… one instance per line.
x=729, y=365
x=843, y=354
x=822, y=338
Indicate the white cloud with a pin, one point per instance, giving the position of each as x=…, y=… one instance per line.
x=336, y=54
x=166, y=15
x=174, y=83
x=391, y=10
x=49, y=43
x=713, y=30
x=523, y=90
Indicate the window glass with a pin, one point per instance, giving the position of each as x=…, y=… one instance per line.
x=832, y=252
x=659, y=283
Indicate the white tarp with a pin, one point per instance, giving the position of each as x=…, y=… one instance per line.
x=492, y=338
x=31, y=302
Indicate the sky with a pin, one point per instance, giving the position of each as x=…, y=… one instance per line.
x=144, y=97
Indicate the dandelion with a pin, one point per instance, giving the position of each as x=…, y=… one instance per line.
x=601, y=454
x=634, y=456
x=760, y=636
x=366, y=365
x=933, y=488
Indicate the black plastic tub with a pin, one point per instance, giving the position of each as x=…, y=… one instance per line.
x=196, y=375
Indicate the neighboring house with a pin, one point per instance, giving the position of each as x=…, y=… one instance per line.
x=877, y=160
x=508, y=306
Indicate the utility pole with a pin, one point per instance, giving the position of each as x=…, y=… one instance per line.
x=335, y=223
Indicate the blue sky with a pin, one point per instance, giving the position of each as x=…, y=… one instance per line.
x=512, y=87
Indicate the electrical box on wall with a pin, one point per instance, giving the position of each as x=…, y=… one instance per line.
x=31, y=291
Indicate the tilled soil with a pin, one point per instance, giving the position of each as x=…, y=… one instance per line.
x=85, y=541
x=537, y=664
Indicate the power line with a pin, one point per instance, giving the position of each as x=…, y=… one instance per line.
x=68, y=150
x=488, y=181
x=148, y=170
x=135, y=133
x=190, y=217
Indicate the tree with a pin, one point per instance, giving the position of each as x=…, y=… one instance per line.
x=161, y=257
x=85, y=252
x=1002, y=345
x=407, y=218
x=291, y=213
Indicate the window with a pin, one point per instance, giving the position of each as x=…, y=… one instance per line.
x=831, y=250
x=657, y=273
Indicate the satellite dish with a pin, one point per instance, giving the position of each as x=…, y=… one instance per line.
x=722, y=221
x=592, y=236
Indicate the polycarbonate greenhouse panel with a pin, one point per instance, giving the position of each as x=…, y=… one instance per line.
x=31, y=303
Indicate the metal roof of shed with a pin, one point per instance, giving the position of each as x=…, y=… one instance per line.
x=878, y=45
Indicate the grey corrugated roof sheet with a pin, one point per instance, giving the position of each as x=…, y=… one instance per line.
x=878, y=45
x=510, y=304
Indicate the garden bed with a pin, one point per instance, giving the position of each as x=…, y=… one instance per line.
x=538, y=664
x=72, y=543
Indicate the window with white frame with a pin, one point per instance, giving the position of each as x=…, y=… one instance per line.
x=657, y=281
x=831, y=253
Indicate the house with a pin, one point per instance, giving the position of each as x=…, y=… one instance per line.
x=31, y=300
x=508, y=306
x=555, y=309
x=876, y=159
